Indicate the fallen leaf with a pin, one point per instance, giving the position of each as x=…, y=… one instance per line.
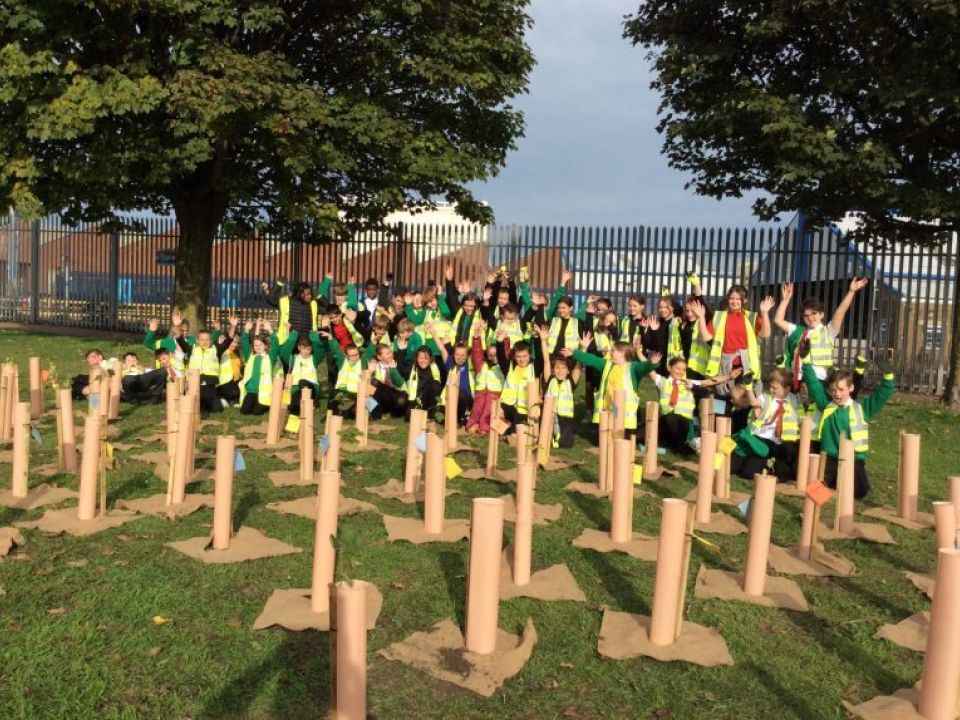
x=570, y=712
x=766, y=628
x=57, y=611
x=399, y=585
x=106, y=552
x=121, y=563
x=13, y=626
x=235, y=622
x=566, y=665
x=551, y=684
x=101, y=569
x=161, y=620
x=154, y=651
x=76, y=563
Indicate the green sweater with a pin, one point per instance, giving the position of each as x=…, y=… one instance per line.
x=838, y=423
x=150, y=340
x=419, y=317
x=638, y=368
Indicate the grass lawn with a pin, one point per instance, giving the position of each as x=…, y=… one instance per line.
x=77, y=640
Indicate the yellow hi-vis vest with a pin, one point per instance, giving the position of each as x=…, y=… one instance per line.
x=716, y=351
x=602, y=402
x=571, y=335
x=471, y=376
x=625, y=330
x=205, y=360
x=515, y=332
x=264, y=383
x=348, y=378
x=414, y=380
x=821, y=346
x=284, y=305
x=229, y=367
x=604, y=343
x=515, y=387
x=686, y=405
x=859, y=430
x=490, y=378
x=816, y=417
x=471, y=332
x=441, y=326
x=563, y=392
x=380, y=373
x=674, y=346
x=790, y=426
x=304, y=369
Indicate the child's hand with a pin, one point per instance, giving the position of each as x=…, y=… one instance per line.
x=699, y=309
x=858, y=284
x=233, y=320
x=786, y=292
x=565, y=277
x=586, y=340
x=463, y=287
x=766, y=305
x=655, y=357
x=267, y=326
x=566, y=352
x=448, y=271
x=153, y=324
x=248, y=326
x=215, y=325
x=176, y=317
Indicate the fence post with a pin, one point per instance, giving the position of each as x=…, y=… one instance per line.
x=35, y=272
x=400, y=243
x=113, y=312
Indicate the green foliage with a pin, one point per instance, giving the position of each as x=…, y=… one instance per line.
x=826, y=106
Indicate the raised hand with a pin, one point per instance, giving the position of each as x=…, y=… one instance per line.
x=699, y=309
x=786, y=292
x=491, y=278
x=653, y=322
x=858, y=284
x=176, y=317
x=215, y=325
x=448, y=271
x=265, y=287
x=350, y=314
x=566, y=352
x=463, y=287
x=586, y=340
x=233, y=320
x=565, y=277
x=501, y=334
x=539, y=299
x=248, y=326
x=153, y=324
x=487, y=295
x=267, y=326
x=408, y=297
x=766, y=305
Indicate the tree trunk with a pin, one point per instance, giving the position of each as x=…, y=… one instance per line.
x=198, y=219
x=951, y=393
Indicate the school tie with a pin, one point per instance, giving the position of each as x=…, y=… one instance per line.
x=797, y=362
x=675, y=394
x=779, y=417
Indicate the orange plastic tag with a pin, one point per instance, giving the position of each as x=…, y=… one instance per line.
x=819, y=493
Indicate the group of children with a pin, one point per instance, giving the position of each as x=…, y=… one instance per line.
x=493, y=341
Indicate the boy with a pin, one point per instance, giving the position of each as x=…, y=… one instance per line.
x=80, y=384
x=179, y=342
x=433, y=311
x=459, y=361
x=303, y=372
x=349, y=366
x=205, y=358
x=772, y=433
x=519, y=369
x=138, y=384
x=842, y=415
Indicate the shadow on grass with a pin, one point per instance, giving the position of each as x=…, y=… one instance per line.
x=797, y=702
x=295, y=677
x=454, y=568
x=249, y=500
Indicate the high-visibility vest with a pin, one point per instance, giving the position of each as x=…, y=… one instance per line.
x=515, y=332
x=859, y=430
x=303, y=368
x=515, y=387
x=699, y=354
x=716, y=351
x=474, y=320
x=284, y=305
x=380, y=373
x=414, y=380
x=563, y=392
x=471, y=377
x=354, y=334
x=821, y=345
x=571, y=335
x=264, y=383
x=816, y=416
x=625, y=330
x=790, y=425
x=674, y=346
x=205, y=360
x=348, y=378
x=441, y=326
x=177, y=358
x=602, y=402
x=604, y=343
x=686, y=405
x=490, y=378
x=228, y=367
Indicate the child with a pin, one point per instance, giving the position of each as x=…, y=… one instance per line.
x=489, y=384
x=349, y=368
x=138, y=384
x=424, y=390
x=389, y=388
x=772, y=433
x=260, y=357
x=303, y=371
x=434, y=312
x=180, y=342
x=231, y=368
x=561, y=384
x=564, y=327
x=405, y=345
x=617, y=372
x=205, y=358
x=460, y=361
x=685, y=341
x=821, y=338
x=842, y=415
x=80, y=384
x=631, y=327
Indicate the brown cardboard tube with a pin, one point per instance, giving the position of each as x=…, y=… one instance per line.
x=909, y=476
x=945, y=522
x=621, y=513
x=450, y=412
x=493, y=441
x=434, y=500
x=89, y=468
x=758, y=547
x=523, y=443
x=483, y=575
x=307, y=447
x=940, y=680
x=14, y=398
x=6, y=393
x=173, y=414
x=706, y=415
x=332, y=458
x=803, y=452
x=666, y=588
x=193, y=382
x=953, y=494
x=533, y=399
x=361, y=414
x=721, y=481
x=181, y=459
x=411, y=475
x=604, y=430
x=68, y=430
x=223, y=492
x=547, y=420
x=845, y=470
x=806, y=528
x=276, y=407
x=651, y=439
x=36, y=390
x=116, y=385
x=104, y=407
x=324, y=553
x=813, y=468
x=21, y=450
x=705, y=473
x=523, y=524
x=349, y=621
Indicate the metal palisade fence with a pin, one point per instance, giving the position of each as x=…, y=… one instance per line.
x=86, y=277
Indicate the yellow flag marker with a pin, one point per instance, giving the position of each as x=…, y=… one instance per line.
x=637, y=474
x=452, y=469
x=727, y=445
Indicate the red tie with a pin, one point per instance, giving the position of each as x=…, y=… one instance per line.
x=796, y=361
x=674, y=394
x=779, y=417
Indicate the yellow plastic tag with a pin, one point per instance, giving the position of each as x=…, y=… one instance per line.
x=717, y=461
x=293, y=424
x=452, y=469
x=706, y=543
x=727, y=445
x=109, y=449
x=637, y=474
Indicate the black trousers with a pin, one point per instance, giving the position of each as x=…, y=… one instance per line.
x=513, y=417
x=146, y=386
x=861, y=483
x=295, y=395
x=251, y=405
x=568, y=428
x=209, y=397
x=673, y=433
x=784, y=457
x=343, y=404
x=230, y=392
x=390, y=401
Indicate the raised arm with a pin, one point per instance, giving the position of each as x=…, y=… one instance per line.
x=766, y=305
x=856, y=285
x=780, y=317
x=702, y=328
x=817, y=392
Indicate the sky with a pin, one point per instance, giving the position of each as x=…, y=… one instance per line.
x=591, y=154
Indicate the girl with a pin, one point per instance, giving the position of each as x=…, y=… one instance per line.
x=260, y=358
x=424, y=390
x=489, y=385
x=561, y=384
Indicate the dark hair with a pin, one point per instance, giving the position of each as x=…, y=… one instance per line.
x=509, y=307
x=813, y=304
x=838, y=375
x=781, y=376
x=566, y=300
x=470, y=296
x=638, y=299
x=739, y=290
x=372, y=282
x=91, y=351
x=303, y=341
x=129, y=353
x=160, y=353
x=676, y=359
x=606, y=301
x=698, y=300
x=522, y=346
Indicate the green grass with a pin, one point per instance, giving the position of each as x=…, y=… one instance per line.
x=77, y=640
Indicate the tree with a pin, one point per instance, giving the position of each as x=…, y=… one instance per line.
x=314, y=117
x=824, y=106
